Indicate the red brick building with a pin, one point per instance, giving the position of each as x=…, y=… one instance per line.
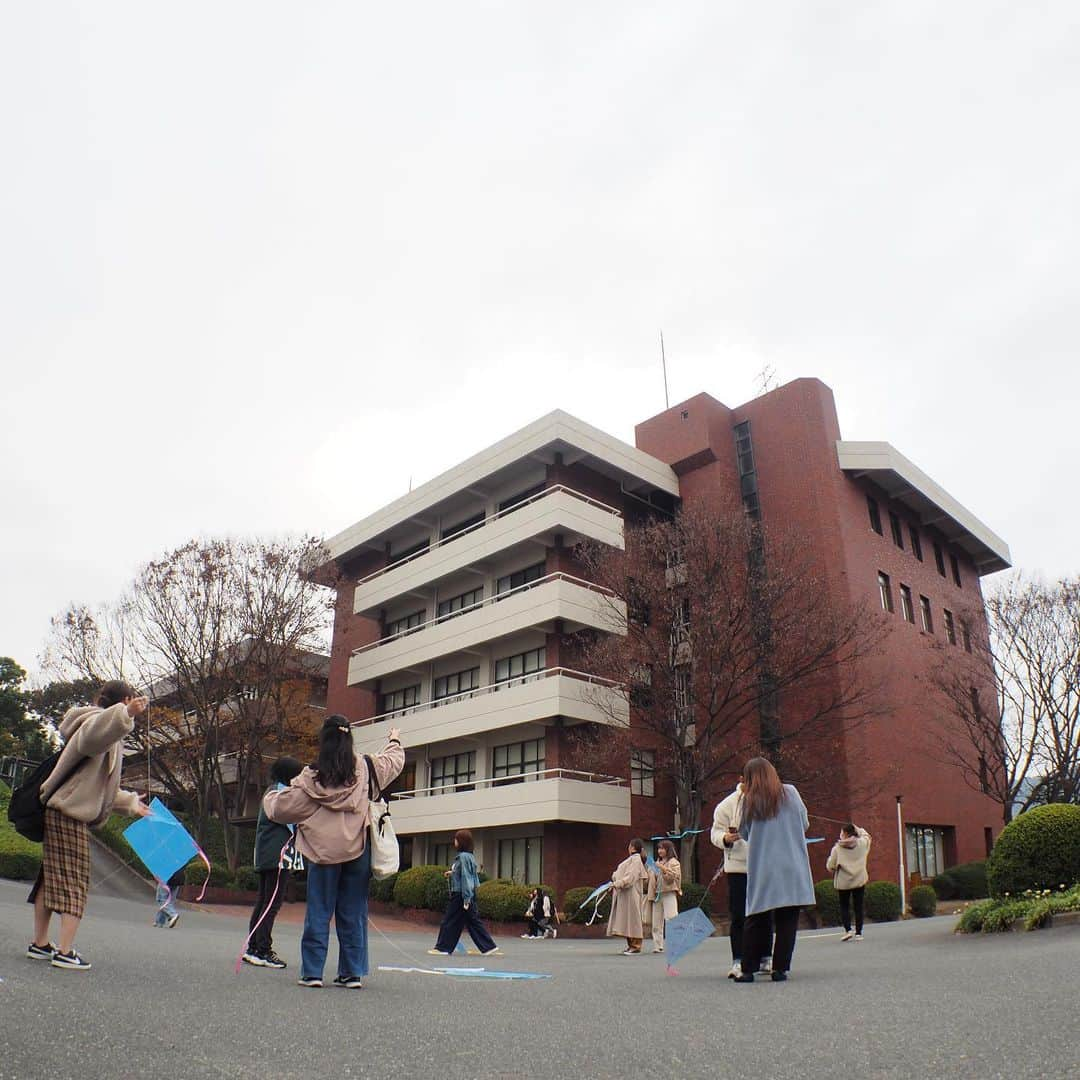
x=457, y=602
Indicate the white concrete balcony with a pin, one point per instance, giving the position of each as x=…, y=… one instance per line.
x=550, y=795
x=537, y=605
x=555, y=510
x=573, y=695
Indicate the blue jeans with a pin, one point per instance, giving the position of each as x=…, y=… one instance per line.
x=165, y=913
x=339, y=890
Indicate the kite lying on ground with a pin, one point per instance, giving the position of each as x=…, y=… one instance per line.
x=163, y=844
x=478, y=973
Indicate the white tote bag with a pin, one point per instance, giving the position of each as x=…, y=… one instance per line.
x=385, y=854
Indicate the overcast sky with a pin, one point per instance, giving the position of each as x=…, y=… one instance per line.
x=261, y=262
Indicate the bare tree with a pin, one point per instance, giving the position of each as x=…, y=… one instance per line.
x=1012, y=723
x=728, y=644
x=225, y=634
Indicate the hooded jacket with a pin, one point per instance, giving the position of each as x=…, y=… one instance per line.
x=93, y=792
x=727, y=816
x=332, y=822
x=847, y=860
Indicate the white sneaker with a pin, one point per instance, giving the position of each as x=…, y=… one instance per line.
x=437, y=952
x=254, y=959
x=493, y=952
x=526, y=937
x=554, y=932
x=736, y=970
x=766, y=965
x=848, y=935
x=858, y=937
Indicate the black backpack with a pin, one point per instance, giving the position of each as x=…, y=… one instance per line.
x=26, y=811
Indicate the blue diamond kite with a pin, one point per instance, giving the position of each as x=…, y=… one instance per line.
x=685, y=932
x=162, y=842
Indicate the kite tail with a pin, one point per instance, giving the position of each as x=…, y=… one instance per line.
x=671, y=970
x=596, y=907
x=202, y=891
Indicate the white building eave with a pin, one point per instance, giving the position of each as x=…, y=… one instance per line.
x=905, y=483
x=558, y=432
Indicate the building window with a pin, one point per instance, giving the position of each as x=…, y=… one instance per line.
x=456, y=604
x=520, y=665
x=955, y=570
x=916, y=542
x=518, y=760
x=939, y=558
x=642, y=772
x=398, y=700
x=442, y=854
x=459, y=682
x=406, y=624
x=950, y=627
x=965, y=630
x=885, y=591
x=897, y=530
x=451, y=770
x=520, y=577
x=748, y=484
x=927, y=618
x=925, y=850
x=411, y=552
x=522, y=496
x=522, y=859
x=462, y=526
x=906, y=606
x=875, y=515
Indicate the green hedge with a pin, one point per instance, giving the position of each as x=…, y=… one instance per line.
x=247, y=878
x=883, y=902
x=828, y=903
x=221, y=876
x=382, y=889
x=695, y=895
x=413, y=886
x=1035, y=907
x=1038, y=850
x=967, y=881
x=20, y=859
x=923, y=901
x=572, y=900
x=110, y=833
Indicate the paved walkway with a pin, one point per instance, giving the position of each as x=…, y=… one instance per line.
x=912, y=1001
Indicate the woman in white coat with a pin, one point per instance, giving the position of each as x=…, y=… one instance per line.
x=626, y=898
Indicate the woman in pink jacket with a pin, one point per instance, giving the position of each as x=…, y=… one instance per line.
x=329, y=806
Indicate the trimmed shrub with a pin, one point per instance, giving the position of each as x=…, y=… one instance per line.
x=1038, y=850
x=971, y=920
x=437, y=892
x=967, y=881
x=19, y=865
x=571, y=902
x=220, y=875
x=923, y=902
x=382, y=889
x=412, y=885
x=247, y=878
x=695, y=895
x=505, y=901
x=883, y=903
x=828, y=903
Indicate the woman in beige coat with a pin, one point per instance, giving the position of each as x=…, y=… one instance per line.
x=626, y=898
x=80, y=793
x=665, y=888
x=847, y=860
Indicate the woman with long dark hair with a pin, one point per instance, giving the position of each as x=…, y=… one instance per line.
x=80, y=793
x=778, y=883
x=330, y=807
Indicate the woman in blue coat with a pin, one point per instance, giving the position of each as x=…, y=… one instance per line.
x=778, y=880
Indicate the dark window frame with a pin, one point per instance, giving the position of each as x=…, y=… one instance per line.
x=926, y=614
x=897, y=530
x=916, y=542
x=885, y=592
x=907, y=605
x=516, y=579
x=875, y=515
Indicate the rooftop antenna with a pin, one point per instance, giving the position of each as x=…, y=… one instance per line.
x=663, y=361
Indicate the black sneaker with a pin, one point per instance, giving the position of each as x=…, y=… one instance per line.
x=70, y=961
x=779, y=976
x=254, y=959
x=41, y=952
x=350, y=982
x=272, y=960
x=309, y=980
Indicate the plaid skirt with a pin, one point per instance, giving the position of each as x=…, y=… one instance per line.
x=65, y=865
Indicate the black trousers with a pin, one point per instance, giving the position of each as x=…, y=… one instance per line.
x=737, y=911
x=262, y=939
x=756, y=935
x=846, y=896
x=457, y=918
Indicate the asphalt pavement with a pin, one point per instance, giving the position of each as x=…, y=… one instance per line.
x=912, y=1000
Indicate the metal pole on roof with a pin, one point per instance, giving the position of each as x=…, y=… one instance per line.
x=663, y=362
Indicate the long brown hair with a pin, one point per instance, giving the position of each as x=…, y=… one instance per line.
x=665, y=849
x=762, y=790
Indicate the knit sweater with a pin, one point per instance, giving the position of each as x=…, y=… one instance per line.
x=726, y=816
x=847, y=860
x=94, y=791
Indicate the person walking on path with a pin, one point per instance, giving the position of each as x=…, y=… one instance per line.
x=774, y=822
x=80, y=793
x=329, y=804
x=628, y=883
x=665, y=888
x=847, y=860
x=540, y=913
x=274, y=861
x=461, y=910
x=725, y=835
x=167, y=894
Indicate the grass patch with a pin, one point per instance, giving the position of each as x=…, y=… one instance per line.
x=1036, y=907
